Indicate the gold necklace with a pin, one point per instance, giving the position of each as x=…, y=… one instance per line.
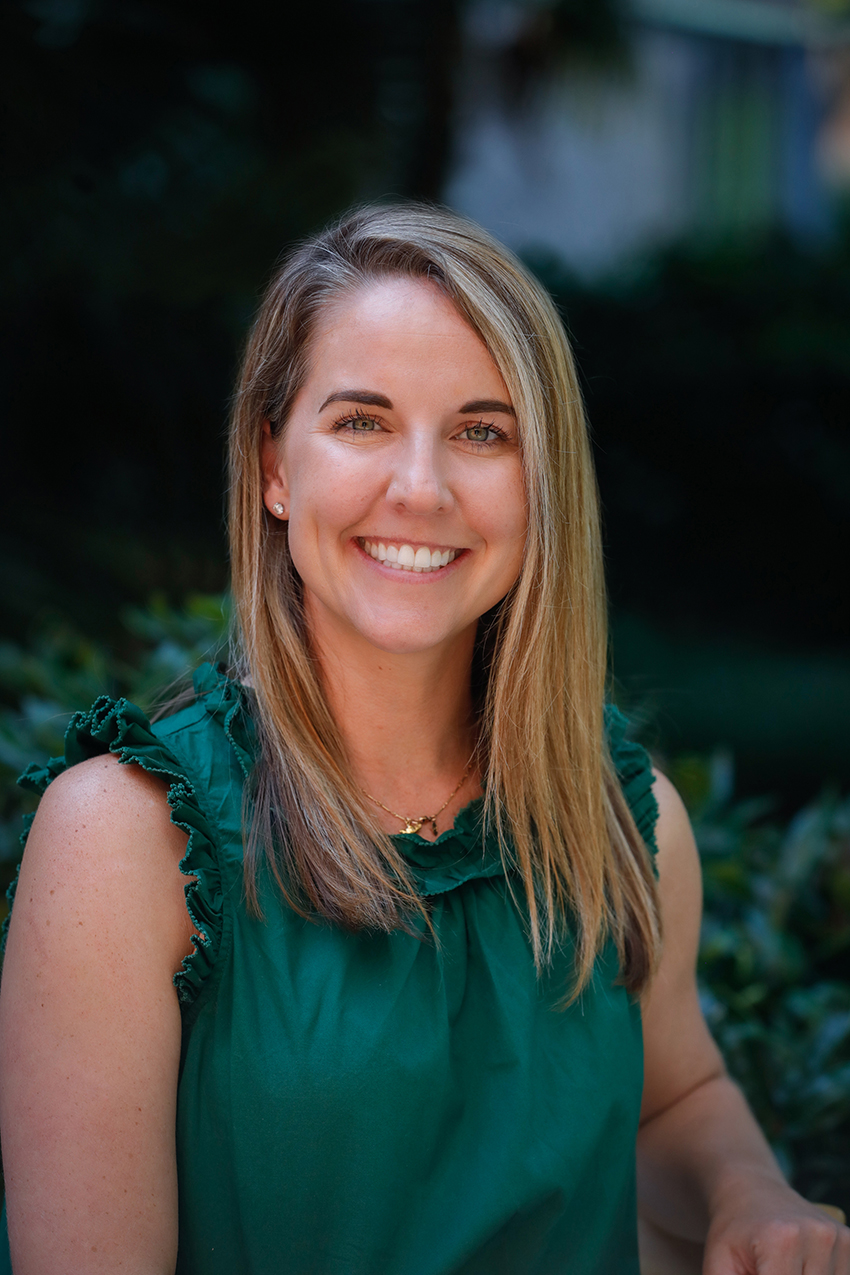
x=412, y=823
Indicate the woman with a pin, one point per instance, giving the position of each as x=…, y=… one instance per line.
x=407, y=1029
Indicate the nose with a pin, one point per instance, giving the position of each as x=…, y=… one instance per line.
x=418, y=481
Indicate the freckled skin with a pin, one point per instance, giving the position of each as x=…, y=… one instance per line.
x=90, y=1028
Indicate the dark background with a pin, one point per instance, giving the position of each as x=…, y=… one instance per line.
x=160, y=157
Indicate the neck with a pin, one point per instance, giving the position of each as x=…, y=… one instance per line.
x=407, y=722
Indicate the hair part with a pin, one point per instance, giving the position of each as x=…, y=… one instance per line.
x=551, y=793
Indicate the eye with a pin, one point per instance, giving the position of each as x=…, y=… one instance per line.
x=482, y=433
x=358, y=423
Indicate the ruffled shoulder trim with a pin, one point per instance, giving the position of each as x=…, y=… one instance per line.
x=225, y=701
x=119, y=727
x=634, y=769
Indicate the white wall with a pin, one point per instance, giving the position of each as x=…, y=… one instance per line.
x=602, y=167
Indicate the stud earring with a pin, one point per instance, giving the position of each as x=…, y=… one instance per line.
x=278, y=509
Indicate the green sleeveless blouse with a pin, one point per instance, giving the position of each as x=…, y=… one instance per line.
x=381, y=1104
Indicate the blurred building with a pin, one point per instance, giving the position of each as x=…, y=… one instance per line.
x=724, y=117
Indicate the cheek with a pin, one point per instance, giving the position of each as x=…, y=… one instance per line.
x=500, y=518
x=506, y=513
x=515, y=528
x=321, y=491
x=325, y=505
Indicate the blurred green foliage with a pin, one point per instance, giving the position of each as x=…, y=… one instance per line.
x=43, y=683
x=775, y=954
x=775, y=965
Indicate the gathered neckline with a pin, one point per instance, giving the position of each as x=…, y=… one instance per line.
x=459, y=854
x=468, y=849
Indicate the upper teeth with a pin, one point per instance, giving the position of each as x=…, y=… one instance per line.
x=406, y=558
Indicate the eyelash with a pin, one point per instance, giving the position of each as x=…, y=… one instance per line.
x=501, y=436
x=351, y=417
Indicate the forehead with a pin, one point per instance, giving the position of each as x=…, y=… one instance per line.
x=399, y=325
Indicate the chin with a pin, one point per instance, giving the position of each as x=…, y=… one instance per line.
x=409, y=635
x=393, y=630
x=410, y=642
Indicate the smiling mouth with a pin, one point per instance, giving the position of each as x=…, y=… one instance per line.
x=403, y=557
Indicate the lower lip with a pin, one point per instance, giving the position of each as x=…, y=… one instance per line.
x=410, y=577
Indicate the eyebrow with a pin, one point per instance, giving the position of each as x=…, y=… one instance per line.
x=370, y=399
x=486, y=405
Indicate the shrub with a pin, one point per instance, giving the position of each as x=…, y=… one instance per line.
x=61, y=671
x=774, y=964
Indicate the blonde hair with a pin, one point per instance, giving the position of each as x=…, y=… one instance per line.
x=551, y=793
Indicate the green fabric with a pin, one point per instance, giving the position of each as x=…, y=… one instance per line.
x=362, y=1104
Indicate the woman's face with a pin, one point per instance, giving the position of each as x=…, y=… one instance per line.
x=399, y=471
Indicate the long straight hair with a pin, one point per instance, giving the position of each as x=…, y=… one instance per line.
x=551, y=793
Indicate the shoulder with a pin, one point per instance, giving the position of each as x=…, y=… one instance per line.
x=102, y=855
x=673, y=828
x=679, y=883
x=133, y=822
x=102, y=786
x=679, y=1052
x=97, y=801
x=678, y=858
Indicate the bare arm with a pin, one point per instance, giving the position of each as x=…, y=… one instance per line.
x=705, y=1171
x=90, y=1029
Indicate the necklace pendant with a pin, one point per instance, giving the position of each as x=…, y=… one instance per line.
x=412, y=825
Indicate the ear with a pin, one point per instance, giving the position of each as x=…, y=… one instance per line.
x=275, y=486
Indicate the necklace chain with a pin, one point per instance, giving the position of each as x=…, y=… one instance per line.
x=412, y=823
